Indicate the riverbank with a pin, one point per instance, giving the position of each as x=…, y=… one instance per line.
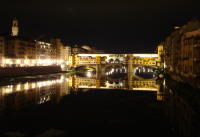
x=25, y=71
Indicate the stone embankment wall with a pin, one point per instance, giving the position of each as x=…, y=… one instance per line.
x=22, y=71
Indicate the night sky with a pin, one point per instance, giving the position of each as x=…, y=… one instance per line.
x=113, y=26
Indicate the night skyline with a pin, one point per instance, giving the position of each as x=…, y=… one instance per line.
x=137, y=26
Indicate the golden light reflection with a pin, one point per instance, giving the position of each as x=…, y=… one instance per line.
x=30, y=85
x=26, y=86
x=75, y=82
x=33, y=85
x=18, y=87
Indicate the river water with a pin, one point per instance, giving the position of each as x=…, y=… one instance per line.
x=83, y=105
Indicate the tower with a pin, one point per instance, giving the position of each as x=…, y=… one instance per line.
x=15, y=28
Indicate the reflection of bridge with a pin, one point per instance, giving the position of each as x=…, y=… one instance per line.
x=130, y=84
x=145, y=84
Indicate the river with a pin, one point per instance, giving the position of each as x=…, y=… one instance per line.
x=82, y=105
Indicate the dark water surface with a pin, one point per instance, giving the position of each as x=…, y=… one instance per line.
x=63, y=105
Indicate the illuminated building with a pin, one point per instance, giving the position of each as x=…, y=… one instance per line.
x=58, y=47
x=2, y=49
x=44, y=55
x=15, y=28
x=19, y=52
x=61, y=53
x=66, y=56
x=160, y=51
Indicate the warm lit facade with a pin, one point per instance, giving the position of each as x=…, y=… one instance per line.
x=160, y=51
x=15, y=28
x=58, y=47
x=19, y=52
x=66, y=54
x=85, y=60
x=44, y=55
x=2, y=49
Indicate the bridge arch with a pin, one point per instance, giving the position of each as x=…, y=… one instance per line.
x=146, y=72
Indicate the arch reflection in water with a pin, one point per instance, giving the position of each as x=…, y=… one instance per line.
x=116, y=71
x=26, y=92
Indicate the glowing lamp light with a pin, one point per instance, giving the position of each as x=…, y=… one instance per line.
x=33, y=61
x=18, y=61
x=33, y=85
x=89, y=74
x=26, y=86
x=26, y=61
x=8, y=61
x=18, y=88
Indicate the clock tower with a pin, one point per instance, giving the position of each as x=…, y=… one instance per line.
x=15, y=28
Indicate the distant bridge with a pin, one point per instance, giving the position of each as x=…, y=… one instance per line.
x=114, y=59
x=101, y=61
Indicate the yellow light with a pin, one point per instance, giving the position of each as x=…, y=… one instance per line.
x=8, y=61
x=18, y=61
x=39, y=84
x=33, y=85
x=8, y=90
x=89, y=74
x=62, y=66
x=18, y=87
x=26, y=86
x=145, y=55
x=33, y=62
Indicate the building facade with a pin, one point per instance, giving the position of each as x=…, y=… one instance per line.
x=189, y=62
x=44, y=54
x=20, y=52
x=182, y=53
x=2, y=51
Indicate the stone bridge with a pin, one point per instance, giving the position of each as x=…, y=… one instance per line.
x=114, y=59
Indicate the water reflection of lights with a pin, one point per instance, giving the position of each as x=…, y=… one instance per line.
x=33, y=85
x=18, y=87
x=44, y=99
x=26, y=86
x=8, y=89
x=29, y=85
